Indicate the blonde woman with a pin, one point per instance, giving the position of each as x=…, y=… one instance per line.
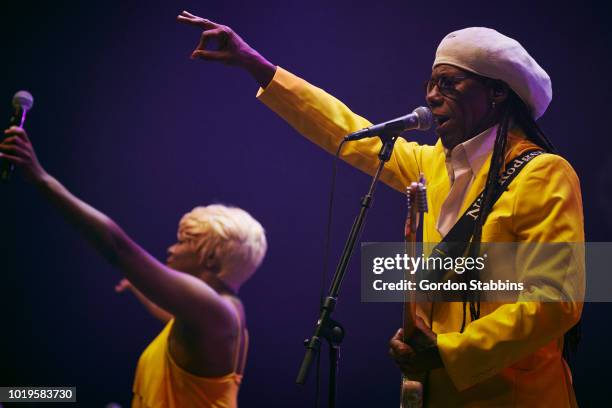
x=198, y=358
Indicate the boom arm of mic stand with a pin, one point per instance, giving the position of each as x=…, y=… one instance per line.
x=326, y=327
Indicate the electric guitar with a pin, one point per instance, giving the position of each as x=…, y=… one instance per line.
x=416, y=194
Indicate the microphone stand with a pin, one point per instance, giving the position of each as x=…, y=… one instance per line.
x=326, y=327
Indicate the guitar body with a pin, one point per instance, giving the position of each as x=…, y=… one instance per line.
x=411, y=394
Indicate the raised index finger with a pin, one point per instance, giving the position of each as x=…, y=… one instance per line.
x=187, y=14
x=188, y=18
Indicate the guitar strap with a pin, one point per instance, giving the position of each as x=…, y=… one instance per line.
x=455, y=243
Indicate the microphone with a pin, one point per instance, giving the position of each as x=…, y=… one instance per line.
x=22, y=103
x=420, y=119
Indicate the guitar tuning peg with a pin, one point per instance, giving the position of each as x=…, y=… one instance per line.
x=421, y=195
x=408, y=200
x=421, y=199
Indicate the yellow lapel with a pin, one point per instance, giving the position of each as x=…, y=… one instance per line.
x=438, y=187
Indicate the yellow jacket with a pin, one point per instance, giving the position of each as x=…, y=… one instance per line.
x=511, y=356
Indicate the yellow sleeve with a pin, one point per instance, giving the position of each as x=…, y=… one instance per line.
x=547, y=208
x=325, y=121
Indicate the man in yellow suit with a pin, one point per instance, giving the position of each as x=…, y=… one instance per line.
x=486, y=93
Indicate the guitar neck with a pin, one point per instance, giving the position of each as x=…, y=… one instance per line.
x=410, y=232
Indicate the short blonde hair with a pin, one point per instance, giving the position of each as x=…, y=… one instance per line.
x=228, y=238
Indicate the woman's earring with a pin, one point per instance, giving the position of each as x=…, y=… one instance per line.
x=493, y=104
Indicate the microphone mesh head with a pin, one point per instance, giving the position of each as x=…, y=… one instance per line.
x=23, y=99
x=425, y=117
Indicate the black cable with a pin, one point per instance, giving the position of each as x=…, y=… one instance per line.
x=327, y=250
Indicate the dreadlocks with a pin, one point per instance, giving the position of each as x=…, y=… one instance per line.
x=514, y=112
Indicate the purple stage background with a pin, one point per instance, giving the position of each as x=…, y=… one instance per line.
x=134, y=127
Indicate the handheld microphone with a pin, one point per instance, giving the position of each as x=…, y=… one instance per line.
x=420, y=119
x=22, y=103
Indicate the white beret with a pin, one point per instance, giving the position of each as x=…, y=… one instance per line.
x=491, y=54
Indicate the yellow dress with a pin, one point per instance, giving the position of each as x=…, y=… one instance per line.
x=511, y=356
x=160, y=382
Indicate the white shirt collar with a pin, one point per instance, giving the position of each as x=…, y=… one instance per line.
x=473, y=152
